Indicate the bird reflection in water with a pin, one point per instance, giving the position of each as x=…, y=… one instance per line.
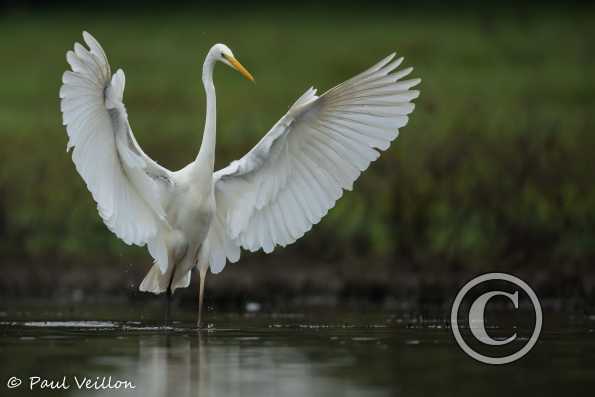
x=200, y=365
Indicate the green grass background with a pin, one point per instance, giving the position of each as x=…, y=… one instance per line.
x=493, y=172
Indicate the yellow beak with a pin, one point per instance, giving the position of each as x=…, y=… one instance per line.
x=238, y=66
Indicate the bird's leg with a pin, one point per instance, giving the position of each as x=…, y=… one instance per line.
x=168, y=296
x=203, y=274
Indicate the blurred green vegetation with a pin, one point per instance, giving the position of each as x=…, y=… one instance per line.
x=494, y=170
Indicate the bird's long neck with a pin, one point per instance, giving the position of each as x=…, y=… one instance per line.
x=205, y=160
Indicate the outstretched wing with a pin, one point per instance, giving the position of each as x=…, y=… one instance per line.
x=126, y=184
x=296, y=173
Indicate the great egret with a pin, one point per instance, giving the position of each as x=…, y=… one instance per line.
x=195, y=217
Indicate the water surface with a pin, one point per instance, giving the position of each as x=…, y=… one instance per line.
x=328, y=353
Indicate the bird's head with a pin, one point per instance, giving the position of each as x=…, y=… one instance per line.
x=222, y=53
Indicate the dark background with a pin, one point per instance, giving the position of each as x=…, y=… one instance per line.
x=493, y=173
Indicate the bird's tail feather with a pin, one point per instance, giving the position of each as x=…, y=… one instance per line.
x=155, y=281
x=181, y=282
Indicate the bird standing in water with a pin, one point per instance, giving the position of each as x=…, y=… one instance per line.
x=198, y=218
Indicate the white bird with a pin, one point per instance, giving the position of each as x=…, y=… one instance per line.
x=198, y=218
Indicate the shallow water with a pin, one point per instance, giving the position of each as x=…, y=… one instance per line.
x=328, y=353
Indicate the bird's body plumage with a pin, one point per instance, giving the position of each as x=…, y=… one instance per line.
x=196, y=217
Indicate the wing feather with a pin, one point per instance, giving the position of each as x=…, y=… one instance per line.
x=299, y=169
x=125, y=183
